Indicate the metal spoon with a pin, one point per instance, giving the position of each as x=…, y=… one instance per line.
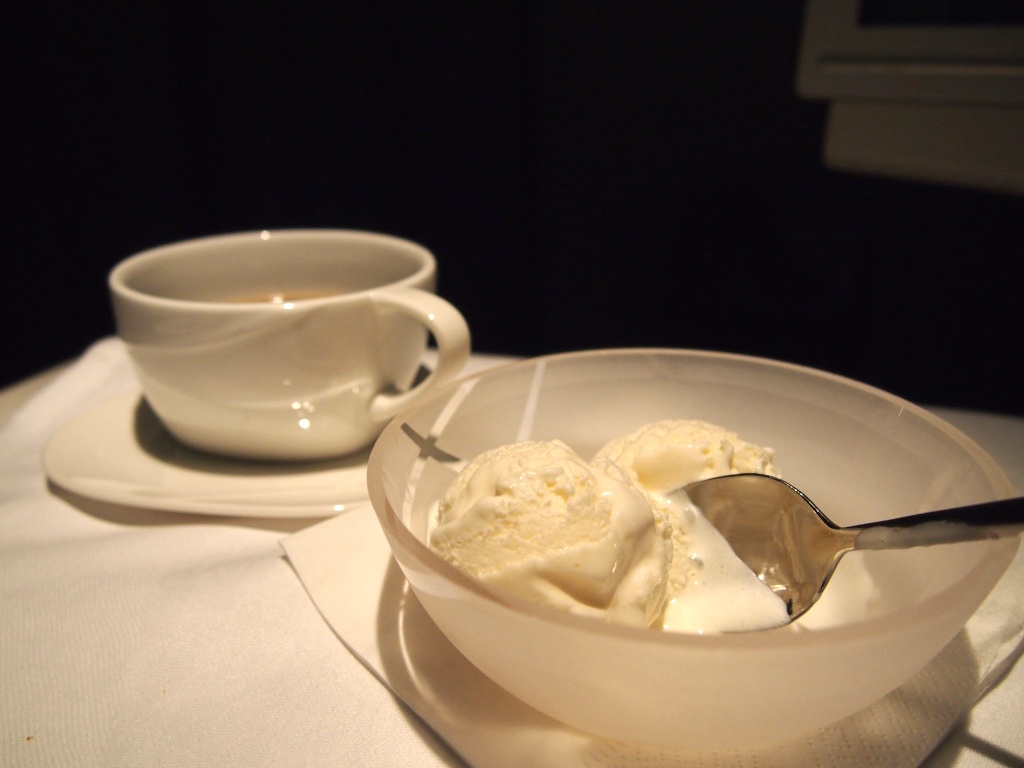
x=794, y=548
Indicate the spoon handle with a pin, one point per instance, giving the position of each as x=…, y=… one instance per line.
x=989, y=520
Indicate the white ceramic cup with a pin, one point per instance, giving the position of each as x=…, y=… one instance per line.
x=284, y=345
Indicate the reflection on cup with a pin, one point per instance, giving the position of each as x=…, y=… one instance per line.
x=284, y=345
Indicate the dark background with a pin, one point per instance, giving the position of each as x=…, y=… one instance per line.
x=588, y=174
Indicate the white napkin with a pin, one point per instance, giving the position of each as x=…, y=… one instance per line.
x=133, y=637
x=346, y=566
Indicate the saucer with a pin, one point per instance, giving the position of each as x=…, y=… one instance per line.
x=119, y=452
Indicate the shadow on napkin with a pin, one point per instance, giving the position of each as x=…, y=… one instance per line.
x=123, y=514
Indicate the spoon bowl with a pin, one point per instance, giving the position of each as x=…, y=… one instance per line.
x=789, y=543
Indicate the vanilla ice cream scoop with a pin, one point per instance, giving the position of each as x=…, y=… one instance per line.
x=710, y=589
x=536, y=520
x=666, y=455
x=605, y=537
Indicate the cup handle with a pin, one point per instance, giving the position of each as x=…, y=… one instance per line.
x=451, y=334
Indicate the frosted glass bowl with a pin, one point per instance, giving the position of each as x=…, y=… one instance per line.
x=860, y=453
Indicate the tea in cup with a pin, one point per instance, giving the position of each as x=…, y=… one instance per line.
x=284, y=345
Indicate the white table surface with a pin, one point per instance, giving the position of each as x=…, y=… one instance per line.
x=247, y=673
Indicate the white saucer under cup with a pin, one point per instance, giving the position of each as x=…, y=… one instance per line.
x=142, y=466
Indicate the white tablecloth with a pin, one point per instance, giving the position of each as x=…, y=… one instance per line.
x=148, y=638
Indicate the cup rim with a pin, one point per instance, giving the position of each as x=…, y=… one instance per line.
x=119, y=276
